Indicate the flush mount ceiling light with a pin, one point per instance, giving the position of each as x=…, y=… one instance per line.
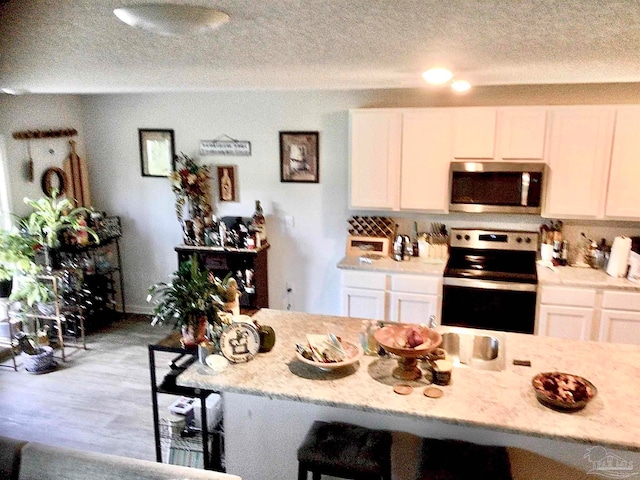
x=460, y=85
x=14, y=91
x=437, y=76
x=172, y=20
x=442, y=76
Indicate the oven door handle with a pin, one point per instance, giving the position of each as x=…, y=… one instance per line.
x=489, y=284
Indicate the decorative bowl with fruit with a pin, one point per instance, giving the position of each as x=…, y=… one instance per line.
x=408, y=342
x=563, y=391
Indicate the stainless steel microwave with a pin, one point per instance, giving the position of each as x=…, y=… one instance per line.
x=500, y=187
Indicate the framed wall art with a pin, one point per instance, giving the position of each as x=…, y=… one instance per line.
x=227, y=183
x=299, y=157
x=157, y=152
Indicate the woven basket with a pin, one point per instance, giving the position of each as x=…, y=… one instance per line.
x=40, y=362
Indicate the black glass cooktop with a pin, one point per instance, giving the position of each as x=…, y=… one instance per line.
x=492, y=265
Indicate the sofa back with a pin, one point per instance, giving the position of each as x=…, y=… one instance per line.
x=43, y=462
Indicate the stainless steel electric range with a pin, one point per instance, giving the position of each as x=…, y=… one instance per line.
x=490, y=280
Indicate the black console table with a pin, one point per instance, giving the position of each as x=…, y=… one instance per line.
x=182, y=359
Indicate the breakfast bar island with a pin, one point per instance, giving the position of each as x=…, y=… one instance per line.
x=271, y=401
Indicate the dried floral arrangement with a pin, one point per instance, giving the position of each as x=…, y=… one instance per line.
x=191, y=185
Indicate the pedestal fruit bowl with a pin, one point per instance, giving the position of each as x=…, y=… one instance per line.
x=408, y=342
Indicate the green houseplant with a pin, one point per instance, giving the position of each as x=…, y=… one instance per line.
x=192, y=299
x=50, y=217
x=16, y=257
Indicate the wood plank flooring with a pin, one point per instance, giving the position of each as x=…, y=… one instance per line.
x=98, y=400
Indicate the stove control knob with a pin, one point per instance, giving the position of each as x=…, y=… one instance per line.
x=467, y=238
x=528, y=240
x=519, y=239
x=458, y=237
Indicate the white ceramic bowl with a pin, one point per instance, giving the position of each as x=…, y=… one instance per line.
x=354, y=352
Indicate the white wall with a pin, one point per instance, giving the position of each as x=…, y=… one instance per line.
x=36, y=112
x=304, y=255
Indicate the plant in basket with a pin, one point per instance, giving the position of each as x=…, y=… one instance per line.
x=192, y=300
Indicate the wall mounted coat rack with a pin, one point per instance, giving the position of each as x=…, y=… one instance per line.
x=32, y=134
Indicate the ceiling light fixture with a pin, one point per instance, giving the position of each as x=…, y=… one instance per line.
x=437, y=76
x=171, y=19
x=14, y=91
x=460, y=85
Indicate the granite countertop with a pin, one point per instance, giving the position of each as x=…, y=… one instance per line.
x=583, y=277
x=388, y=265
x=502, y=401
x=564, y=276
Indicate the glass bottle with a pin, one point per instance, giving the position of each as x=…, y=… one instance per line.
x=372, y=344
x=260, y=223
x=363, y=336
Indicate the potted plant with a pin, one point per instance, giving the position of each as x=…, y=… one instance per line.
x=35, y=294
x=50, y=217
x=16, y=256
x=192, y=300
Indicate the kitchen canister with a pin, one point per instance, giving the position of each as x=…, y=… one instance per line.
x=619, y=258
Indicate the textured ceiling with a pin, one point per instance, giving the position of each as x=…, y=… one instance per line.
x=79, y=46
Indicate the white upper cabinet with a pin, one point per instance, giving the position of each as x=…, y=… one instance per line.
x=426, y=154
x=474, y=133
x=375, y=158
x=579, y=155
x=623, y=194
x=521, y=133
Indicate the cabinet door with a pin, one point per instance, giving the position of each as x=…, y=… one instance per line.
x=521, y=133
x=426, y=153
x=474, y=133
x=623, y=193
x=375, y=159
x=580, y=150
x=566, y=322
x=363, y=303
x=412, y=307
x=620, y=327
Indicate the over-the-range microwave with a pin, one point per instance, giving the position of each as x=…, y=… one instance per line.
x=501, y=187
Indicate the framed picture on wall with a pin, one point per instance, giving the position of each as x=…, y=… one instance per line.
x=157, y=152
x=299, y=157
x=227, y=183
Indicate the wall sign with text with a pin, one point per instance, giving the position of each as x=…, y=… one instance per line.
x=236, y=148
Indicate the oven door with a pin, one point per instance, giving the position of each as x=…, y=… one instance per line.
x=504, y=306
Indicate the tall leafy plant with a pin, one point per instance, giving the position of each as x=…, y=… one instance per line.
x=192, y=293
x=50, y=216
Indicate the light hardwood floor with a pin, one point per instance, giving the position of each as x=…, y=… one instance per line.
x=98, y=400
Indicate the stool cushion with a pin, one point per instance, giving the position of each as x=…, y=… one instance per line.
x=341, y=447
x=458, y=460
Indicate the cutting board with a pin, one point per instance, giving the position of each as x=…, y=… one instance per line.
x=78, y=177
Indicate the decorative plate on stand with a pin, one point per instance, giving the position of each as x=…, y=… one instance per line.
x=239, y=342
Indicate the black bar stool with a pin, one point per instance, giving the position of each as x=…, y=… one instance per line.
x=458, y=460
x=345, y=451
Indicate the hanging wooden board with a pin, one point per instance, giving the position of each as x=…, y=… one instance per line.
x=78, y=177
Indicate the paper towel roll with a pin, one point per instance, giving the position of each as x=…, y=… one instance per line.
x=619, y=258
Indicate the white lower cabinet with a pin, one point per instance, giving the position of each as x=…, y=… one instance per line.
x=412, y=307
x=566, y=322
x=589, y=314
x=391, y=297
x=620, y=317
x=567, y=312
x=364, y=295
